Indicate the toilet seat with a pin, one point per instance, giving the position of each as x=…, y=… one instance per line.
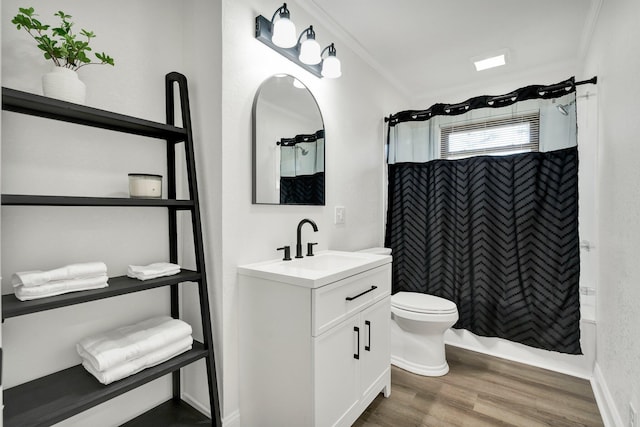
x=422, y=303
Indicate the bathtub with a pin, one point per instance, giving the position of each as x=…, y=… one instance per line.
x=575, y=365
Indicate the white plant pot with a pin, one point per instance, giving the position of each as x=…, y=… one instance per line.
x=63, y=83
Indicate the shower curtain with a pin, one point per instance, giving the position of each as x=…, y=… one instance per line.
x=497, y=235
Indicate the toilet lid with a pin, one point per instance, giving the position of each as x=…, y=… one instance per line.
x=422, y=303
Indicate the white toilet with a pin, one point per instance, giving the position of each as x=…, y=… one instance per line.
x=418, y=324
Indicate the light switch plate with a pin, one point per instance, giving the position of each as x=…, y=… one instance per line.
x=340, y=215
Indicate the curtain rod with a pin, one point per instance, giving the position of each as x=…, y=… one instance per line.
x=522, y=94
x=592, y=80
x=288, y=142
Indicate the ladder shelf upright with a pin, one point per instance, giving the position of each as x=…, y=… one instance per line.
x=60, y=395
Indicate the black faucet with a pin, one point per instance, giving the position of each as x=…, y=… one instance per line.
x=287, y=253
x=299, y=235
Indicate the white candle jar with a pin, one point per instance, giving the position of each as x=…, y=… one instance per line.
x=142, y=185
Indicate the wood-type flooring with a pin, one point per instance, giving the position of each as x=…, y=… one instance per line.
x=484, y=391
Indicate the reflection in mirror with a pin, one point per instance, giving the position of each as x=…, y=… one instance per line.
x=288, y=144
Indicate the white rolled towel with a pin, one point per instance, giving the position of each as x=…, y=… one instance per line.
x=152, y=271
x=134, y=366
x=68, y=272
x=60, y=287
x=111, y=348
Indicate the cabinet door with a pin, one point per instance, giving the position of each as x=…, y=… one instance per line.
x=375, y=344
x=337, y=355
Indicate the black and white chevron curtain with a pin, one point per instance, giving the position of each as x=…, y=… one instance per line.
x=497, y=235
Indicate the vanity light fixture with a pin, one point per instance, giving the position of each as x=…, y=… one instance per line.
x=283, y=30
x=303, y=50
x=331, y=67
x=309, y=47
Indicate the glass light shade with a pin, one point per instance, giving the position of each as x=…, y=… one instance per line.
x=284, y=33
x=310, y=52
x=331, y=67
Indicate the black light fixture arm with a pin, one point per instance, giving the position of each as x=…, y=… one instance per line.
x=331, y=48
x=309, y=33
x=284, y=13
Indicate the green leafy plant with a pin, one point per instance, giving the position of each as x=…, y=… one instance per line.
x=60, y=44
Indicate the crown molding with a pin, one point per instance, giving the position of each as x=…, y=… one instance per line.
x=589, y=28
x=315, y=9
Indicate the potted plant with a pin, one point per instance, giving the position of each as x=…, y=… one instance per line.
x=66, y=49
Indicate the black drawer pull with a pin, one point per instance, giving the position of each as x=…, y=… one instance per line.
x=357, y=331
x=361, y=293
x=368, y=324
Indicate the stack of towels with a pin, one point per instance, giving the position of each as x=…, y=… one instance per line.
x=114, y=355
x=29, y=285
x=152, y=271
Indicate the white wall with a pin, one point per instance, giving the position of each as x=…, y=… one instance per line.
x=146, y=39
x=202, y=52
x=213, y=43
x=352, y=107
x=613, y=56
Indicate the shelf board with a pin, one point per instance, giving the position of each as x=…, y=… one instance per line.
x=12, y=306
x=171, y=413
x=37, y=200
x=56, y=397
x=42, y=106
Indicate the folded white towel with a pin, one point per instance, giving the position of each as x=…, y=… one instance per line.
x=111, y=348
x=60, y=287
x=152, y=271
x=68, y=272
x=134, y=366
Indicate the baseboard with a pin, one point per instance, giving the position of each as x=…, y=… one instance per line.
x=606, y=404
x=195, y=403
x=232, y=420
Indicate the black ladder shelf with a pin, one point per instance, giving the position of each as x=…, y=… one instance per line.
x=60, y=395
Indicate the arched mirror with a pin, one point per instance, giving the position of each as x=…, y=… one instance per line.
x=288, y=144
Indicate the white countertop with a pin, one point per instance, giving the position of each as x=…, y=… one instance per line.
x=319, y=270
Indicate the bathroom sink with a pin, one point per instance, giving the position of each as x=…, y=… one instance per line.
x=324, y=262
x=315, y=271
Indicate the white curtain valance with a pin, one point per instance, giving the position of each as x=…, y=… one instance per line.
x=421, y=141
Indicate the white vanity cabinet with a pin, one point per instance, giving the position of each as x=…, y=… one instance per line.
x=314, y=343
x=345, y=385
